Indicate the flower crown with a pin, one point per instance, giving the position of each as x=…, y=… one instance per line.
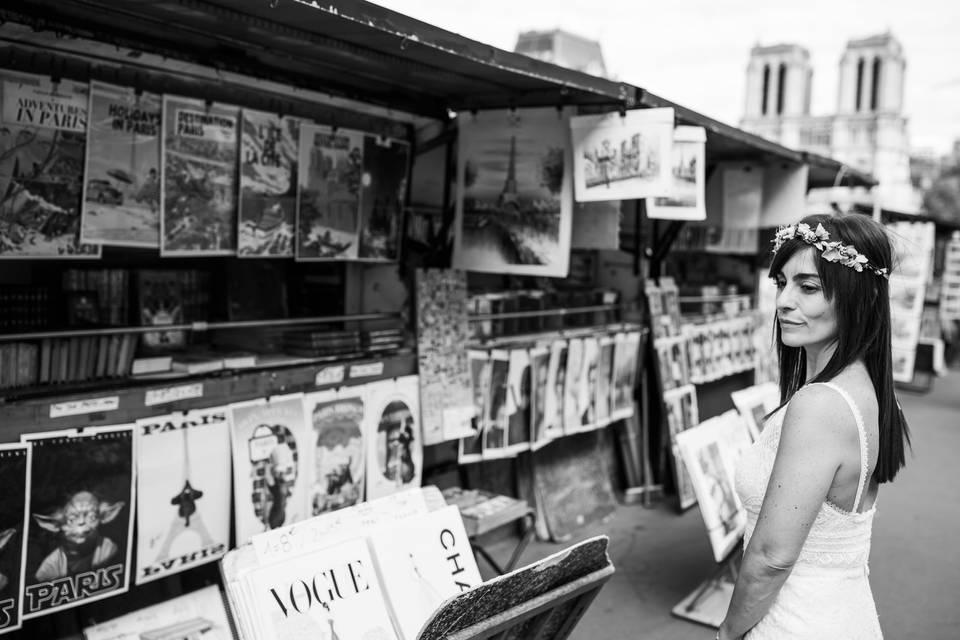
x=836, y=251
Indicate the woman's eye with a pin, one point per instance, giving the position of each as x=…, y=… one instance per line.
x=809, y=288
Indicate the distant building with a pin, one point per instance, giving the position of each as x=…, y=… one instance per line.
x=868, y=131
x=564, y=49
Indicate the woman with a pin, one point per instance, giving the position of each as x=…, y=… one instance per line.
x=809, y=483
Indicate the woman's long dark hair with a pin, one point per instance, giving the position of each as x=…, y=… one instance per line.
x=862, y=304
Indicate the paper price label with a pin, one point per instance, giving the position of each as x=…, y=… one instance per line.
x=172, y=394
x=366, y=370
x=81, y=407
x=330, y=375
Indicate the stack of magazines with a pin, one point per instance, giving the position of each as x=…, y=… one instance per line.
x=375, y=570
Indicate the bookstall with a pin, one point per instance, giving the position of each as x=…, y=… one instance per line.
x=269, y=263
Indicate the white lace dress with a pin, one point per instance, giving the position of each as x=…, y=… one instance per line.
x=827, y=594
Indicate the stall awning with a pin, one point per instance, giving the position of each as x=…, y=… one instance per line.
x=359, y=50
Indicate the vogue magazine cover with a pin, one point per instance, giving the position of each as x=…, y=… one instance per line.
x=121, y=190
x=394, y=440
x=271, y=459
x=15, y=479
x=328, y=202
x=199, y=178
x=43, y=133
x=268, y=185
x=183, y=487
x=514, y=210
x=81, y=518
x=337, y=470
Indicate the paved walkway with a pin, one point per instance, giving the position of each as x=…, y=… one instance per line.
x=661, y=556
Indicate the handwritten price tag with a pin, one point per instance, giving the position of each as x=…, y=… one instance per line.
x=81, y=407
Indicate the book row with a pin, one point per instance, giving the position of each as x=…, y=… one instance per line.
x=72, y=497
x=116, y=166
x=524, y=398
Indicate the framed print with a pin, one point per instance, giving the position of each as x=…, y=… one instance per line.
x=754, y=403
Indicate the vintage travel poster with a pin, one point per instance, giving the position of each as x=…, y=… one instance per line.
x=337, y=469
x=183, y=488
x=622, y=156
x=198, y=614
x=442, y=330
x=470, y=447
x=386, y=162
x=81, y=518
x=518, y=401
x=271, y=457
x=43, y=134
x=269, y=147
x=121, y=190
x=687, y=199
x=328, y=199
x=198, y=199
x=15, y=479
x=393, y=438
x=348, y=601
x=423, y=561
x=514, y=205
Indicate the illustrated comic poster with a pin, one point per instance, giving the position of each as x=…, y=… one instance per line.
x=393, y=437
x=268, y=185
x=687, y=199
x=43, y=134
x=81, y=518
x=198, y=199
x=183, y=488
x=271, y=464
x=495, y=407
x=442, y=330
x=622, y=156
x=328, y=200
x=470, y=447
x=514, y=206
x=15, y=479
x=337, y=471
x=386, y=162
x=198, y=614
x=121, y=192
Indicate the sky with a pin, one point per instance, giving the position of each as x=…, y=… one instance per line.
x=695, y=52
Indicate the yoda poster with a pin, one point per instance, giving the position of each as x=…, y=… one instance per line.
x=14, y=478
x=271, y=458
x=183, y=483
x=80, y=518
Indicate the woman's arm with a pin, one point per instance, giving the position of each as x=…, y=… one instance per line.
x=816, y=435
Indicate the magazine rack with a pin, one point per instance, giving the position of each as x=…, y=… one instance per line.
x=542, y=601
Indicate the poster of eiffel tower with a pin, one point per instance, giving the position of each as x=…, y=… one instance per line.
x=514, y=193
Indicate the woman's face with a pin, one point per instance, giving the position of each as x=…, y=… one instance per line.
x=806, y=317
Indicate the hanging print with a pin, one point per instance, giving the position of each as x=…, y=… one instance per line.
x=338, y=454
x=518, y=401
x=199, y=195
x=15, y=480
x=328, y=200
x=470, y=447
x=554, y=397
x=604, y=378
x=495, y=407
x=81, y=518
x=514, y=204
x=383, y=194
x=622, y=156
x=121, y=191
x=184, y=490
x=268, y=185
x=687, y=199
x=442, y=330
x=270, y=464
x=540, y=376
x=43, y=133
x=393, y=436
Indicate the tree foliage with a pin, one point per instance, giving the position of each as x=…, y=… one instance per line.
x=942, y=200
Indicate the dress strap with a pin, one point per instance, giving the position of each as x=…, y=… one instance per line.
x=862, y=431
